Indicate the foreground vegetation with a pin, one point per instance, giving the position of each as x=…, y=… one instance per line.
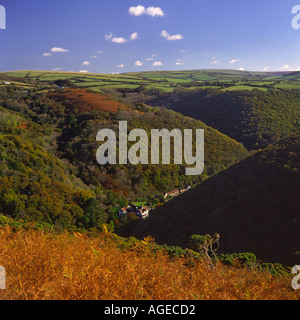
x=45, y=266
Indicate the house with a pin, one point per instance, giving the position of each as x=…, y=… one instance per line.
x=6, y=82
x=176, y=192
x=140, y=211
x=173, y=193
x=186, y=188
x=143, y=213
x=123, y=211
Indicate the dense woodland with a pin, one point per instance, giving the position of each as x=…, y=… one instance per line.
x=49, y=171
x=255, y=118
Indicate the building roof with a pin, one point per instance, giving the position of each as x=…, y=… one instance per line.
x=174, y=191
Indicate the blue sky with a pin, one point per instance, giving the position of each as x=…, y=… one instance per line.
x=140, y=35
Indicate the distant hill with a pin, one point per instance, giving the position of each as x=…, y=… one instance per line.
x=214, y=74
x=253, y=205
x=255, y=118
x=152, y=82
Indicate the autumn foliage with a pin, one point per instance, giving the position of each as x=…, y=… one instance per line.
x=42, y=265
x=83, y=101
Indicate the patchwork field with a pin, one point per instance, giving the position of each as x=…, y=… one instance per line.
x=165, y=81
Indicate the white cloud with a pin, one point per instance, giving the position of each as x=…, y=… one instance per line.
x=241, y=69
x=56, y=69
x=55, y=49
x=121, y=65
x=266, y=68
x=47, y=54
x=150, y=11
x=234, y=61
x=94, y=57
x=108, y=36
x=85, y=63
x=84, y=71
x=134, y=36
x=165, y=34
x=179, y=62
x=151, y=58
x=215, y=62
x=100, y=52
x=155, y=11
x=137, y=11
x=138, y=63
x=118, y=40
x=285, y=67
x=174, y=37
x=157, y=64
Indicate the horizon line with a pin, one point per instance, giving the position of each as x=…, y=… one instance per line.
x=181, y=70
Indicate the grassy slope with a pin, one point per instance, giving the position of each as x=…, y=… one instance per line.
x=253, y=205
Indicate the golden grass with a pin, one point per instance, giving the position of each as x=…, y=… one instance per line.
x=42, y=266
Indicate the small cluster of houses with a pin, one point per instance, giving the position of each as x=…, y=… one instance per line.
x=6, y=82
x=140, y=211
x=176, y=192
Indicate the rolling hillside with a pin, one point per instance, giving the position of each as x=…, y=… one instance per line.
x=253, y=205
x=254, y=118
x=49, y=171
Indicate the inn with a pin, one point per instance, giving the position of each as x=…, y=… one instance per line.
x=140, y=211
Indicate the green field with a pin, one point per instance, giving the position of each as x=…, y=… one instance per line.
x=165, y=81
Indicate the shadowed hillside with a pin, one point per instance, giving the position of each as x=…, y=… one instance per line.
x=253, y=205
x=255, y=118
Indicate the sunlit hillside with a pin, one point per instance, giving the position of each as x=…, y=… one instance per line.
x=74, y=266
